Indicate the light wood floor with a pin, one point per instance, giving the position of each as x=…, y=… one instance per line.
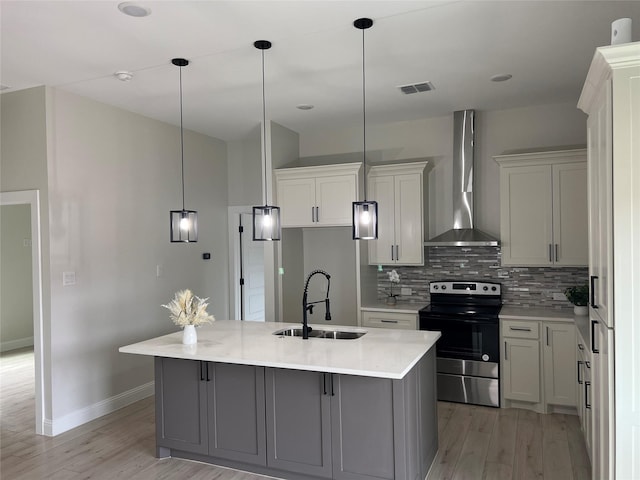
x=475, y=442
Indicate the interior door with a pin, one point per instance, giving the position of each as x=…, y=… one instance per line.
x=252, y=273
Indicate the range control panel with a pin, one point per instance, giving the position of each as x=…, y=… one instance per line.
x=465, y=288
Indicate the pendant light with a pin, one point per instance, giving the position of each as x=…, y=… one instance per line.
x=365, y=213
x=266, y=218
x=184, y=223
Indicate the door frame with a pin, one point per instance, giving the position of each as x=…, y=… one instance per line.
x=32, y=198
x=235, y=293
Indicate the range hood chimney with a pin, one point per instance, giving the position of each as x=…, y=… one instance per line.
x=463, y=234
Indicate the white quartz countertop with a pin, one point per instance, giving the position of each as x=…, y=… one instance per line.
x=381, y=352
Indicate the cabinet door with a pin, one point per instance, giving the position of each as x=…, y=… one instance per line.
x=296, y=198
x=181, y=405
x=526, y=216
x=600, y=205
x=560, y=363
x=521, y=379
x=298, y=421
x=409, y=230
x=362, y=428
x=334, y=196
x=382, y=191
x=570, y=225
x=601, y=398
x=236, y=412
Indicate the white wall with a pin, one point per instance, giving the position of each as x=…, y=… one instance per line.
x=432, y=138
x=112, y=177
x=16, y=290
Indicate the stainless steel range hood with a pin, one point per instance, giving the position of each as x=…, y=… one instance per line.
x=463, y=234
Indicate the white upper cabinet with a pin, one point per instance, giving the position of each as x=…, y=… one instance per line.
x=543, y=208
x=399, y=191
x=317, y=196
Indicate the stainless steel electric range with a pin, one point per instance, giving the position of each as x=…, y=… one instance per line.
x=468, y=353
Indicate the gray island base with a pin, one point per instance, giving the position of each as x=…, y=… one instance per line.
x=301, y=422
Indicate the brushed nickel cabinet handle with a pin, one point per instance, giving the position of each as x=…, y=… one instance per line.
x=520, y=329
x=505, y=351
x=550, y=253
x=556, y=252
x=388, y=321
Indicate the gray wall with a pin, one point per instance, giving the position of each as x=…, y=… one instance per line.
x=23, y=164
x=110, y=179
x=497, y=131
x=16, y=289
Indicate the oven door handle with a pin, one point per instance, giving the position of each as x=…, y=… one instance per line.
x=453, y=321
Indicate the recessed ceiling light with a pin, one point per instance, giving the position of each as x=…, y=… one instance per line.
x=304, y=106
x=501, y=77
x=133, y=9
x=123, y=75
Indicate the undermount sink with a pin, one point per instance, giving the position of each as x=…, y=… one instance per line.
x=334, y=334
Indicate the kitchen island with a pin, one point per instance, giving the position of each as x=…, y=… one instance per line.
x=244, y=398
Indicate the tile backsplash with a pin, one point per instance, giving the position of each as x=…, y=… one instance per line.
x=525, y=286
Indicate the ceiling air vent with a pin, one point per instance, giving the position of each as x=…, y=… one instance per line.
x=416, y=88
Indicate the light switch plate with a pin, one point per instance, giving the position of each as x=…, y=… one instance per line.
x=405, y=291
x=68, y=279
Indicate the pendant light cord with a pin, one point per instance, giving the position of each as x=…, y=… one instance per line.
x=264, y=134
x=181, y=138
x=364, y=122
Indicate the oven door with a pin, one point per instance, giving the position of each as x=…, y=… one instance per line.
x=465, y=339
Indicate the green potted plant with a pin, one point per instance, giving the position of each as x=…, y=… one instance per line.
x=579, y=296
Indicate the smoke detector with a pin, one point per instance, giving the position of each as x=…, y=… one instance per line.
x=501, y=77
x=416, y=88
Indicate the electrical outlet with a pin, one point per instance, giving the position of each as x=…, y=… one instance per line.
x=559, y=296
x=405, y=291
x=158, y=271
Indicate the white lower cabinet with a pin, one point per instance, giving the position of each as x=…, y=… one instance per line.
x=538, y=365
x=559, y=360
x=383, y=319
x=583, y=390
x=521, y=361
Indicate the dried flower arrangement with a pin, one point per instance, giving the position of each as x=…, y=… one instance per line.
x=187, y=309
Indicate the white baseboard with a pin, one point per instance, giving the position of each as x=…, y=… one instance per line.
x=79, y=417
x=15, y=344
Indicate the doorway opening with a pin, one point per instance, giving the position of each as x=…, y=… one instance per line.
x=31, y=199
x=246, y=268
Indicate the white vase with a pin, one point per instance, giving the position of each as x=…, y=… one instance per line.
x=189, y=335
x=580, y=310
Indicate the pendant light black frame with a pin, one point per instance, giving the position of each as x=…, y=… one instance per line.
x=266, y=218
x=365, y=213
x=183, y=223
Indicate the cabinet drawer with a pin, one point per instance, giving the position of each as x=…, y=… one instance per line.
x=518, y=329
x=405, y=321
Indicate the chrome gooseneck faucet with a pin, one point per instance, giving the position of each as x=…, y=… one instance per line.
x=308, y=307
